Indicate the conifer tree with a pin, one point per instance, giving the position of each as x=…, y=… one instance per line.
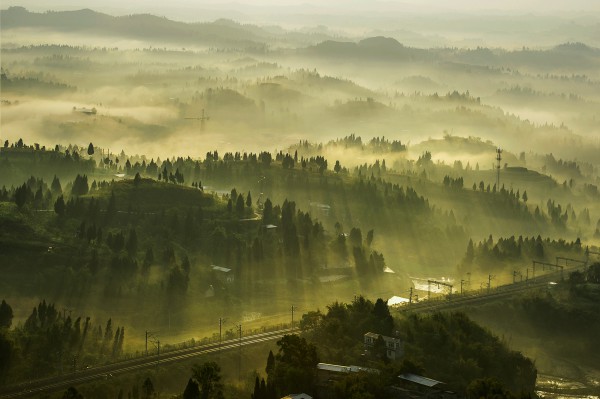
x=59, y=206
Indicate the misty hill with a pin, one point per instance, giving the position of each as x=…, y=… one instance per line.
x=150, y=195
x=142, y=26
x=572, y=56
x=567, y=55
x=383, y=48
x=21, y=85
x=376, y=49
x=454, y=144
x=222, y=32
x=228, y=33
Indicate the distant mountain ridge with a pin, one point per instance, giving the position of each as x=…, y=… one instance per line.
x=139, y=26
x=228, y=33
x=381, y=48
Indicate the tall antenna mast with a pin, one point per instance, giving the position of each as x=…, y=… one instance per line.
x=498, y=158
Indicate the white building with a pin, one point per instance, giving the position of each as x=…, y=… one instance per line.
x=394, y=349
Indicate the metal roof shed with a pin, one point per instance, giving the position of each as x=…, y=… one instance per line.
x=420, y=380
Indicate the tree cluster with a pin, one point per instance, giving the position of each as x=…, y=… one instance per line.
x=50, y=340
x=291, y=370
x=339, y=332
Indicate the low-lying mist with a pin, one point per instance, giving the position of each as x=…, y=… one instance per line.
x=167, y=176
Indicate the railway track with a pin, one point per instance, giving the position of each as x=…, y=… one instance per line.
x=57, y=383
x=503, y=291
x=52, y=384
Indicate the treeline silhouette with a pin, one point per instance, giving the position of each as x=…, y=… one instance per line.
x=489, y=255
x=51, y=342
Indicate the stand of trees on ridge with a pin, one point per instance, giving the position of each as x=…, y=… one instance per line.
x=51, y=341
x=475, y=360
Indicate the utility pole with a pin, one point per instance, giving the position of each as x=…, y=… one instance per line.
x=410, y=295
x=498, y=159
x=150, y=337
x=157, y=366
x=240, y=353
x=489, y=285
x=429, y=282
x=202, y=119
x=467, y=281
x=221, y=321
x=157, y=356
x=293, y=317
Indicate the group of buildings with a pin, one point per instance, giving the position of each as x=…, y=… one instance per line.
x=407, y=386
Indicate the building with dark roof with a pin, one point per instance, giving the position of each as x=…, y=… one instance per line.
x=394, y=349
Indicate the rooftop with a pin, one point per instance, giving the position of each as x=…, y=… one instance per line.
x=344, y=369
x=397, y=300
x=418, y=379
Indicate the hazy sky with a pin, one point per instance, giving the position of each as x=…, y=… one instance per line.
x=263, y=6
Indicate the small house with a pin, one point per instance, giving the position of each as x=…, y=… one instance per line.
x=224, y=273
x=394, y=349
